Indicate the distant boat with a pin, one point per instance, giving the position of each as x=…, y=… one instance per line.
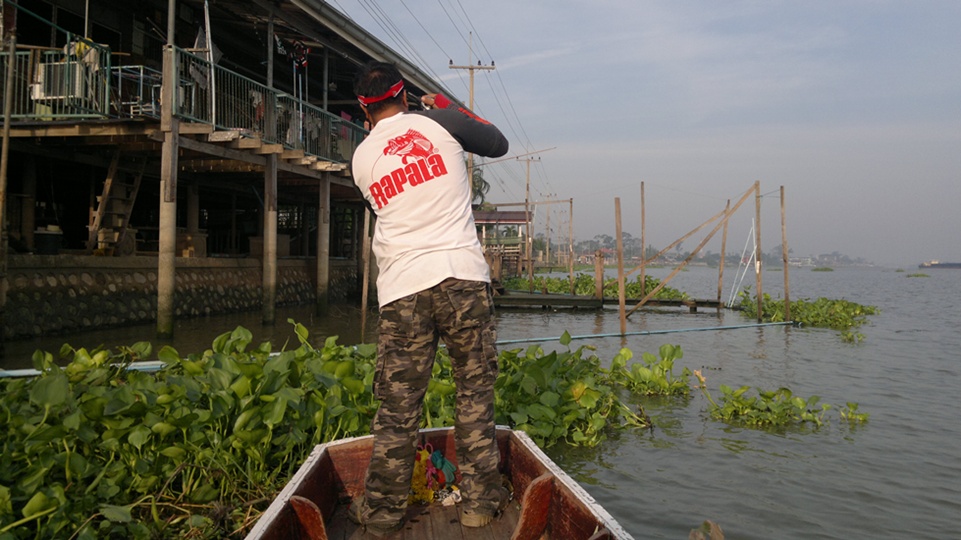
x=938, y=264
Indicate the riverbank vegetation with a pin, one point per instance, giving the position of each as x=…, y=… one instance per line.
x=584, y=285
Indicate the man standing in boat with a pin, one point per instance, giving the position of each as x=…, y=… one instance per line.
x=433, y=284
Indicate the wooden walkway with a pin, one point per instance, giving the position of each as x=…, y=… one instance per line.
x=524, y=300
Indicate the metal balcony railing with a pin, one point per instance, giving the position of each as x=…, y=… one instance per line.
x=78, y=83
x=211, y=94
x=54, y=84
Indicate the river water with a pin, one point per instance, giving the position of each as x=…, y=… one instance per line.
x=897, y=476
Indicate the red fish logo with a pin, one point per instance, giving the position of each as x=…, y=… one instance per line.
x=411, y=145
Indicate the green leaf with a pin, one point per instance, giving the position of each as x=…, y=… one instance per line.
x=34, y=480
x=38, y=503
x=6, y=507
x=302, y=333
x=241, y=386
x=50, y=390
x=139, y=436
x=121, y=400
x=204, y=494
x=220, y=342
x=279, y=364
x=174, y=452
x=539, y=412
x=529, y=385
x=184, y=421
x=589, y=398
x=116, y=514
x=72, y=421
x=550, y=399
x=168, y=355
x=275, y=412
x=365, y=350
x=77, y=464
x=519, y=418
x=577, y=390
x=565, y=338
x=163, y=429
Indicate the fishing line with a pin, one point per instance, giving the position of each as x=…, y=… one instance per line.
x=644, y=332
x=157, y=365
x=739, y=276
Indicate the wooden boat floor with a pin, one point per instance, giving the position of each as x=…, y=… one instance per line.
x=431, y=522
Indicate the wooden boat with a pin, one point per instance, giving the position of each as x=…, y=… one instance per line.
x=548, y=504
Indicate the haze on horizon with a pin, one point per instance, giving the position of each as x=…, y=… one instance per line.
x=854, y=106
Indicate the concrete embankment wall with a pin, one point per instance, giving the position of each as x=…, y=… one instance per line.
x=57, y=294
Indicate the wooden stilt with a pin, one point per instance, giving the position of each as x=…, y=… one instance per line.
x=365, y=257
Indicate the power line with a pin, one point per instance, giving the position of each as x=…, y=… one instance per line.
x=459, y=19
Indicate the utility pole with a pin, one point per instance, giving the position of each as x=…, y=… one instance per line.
x=471, y=68
x=527, y=215
x=549, y=195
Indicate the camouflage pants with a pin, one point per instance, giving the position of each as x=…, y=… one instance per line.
x=459, y=312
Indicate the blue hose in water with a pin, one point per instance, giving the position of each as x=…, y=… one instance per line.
x=157, y=365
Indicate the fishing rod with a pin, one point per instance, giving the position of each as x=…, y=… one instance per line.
x=156, y=365
x=644, y=332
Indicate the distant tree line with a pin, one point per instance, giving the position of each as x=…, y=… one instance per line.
x=770, y=258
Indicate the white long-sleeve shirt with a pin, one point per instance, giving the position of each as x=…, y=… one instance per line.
x=412, y=170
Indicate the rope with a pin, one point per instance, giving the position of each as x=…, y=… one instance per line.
x=739, y=276
x=644, y=332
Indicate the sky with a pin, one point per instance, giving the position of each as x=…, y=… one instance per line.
x=853, y=106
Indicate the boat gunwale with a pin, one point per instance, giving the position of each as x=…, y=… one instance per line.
x=281, y=502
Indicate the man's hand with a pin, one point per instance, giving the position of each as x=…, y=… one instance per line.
x=428, y=100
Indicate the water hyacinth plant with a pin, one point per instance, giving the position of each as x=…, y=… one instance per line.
x=842, y=315
x=566, y=396
x=778, y=409
x=199, y=448
x=584, y=286
x=652, y=376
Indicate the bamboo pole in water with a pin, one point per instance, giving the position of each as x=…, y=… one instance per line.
x=620, y=265
x=599, y=274
x=570, y=243
x=720, y=270
x=784, y=256
x=757, y=248
x=365, y=258
x=643, y=244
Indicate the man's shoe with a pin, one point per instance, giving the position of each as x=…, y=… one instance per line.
x=378, y=530
x=469, y=518
x=355, y=514
x=473, y=518
x=354, y=511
